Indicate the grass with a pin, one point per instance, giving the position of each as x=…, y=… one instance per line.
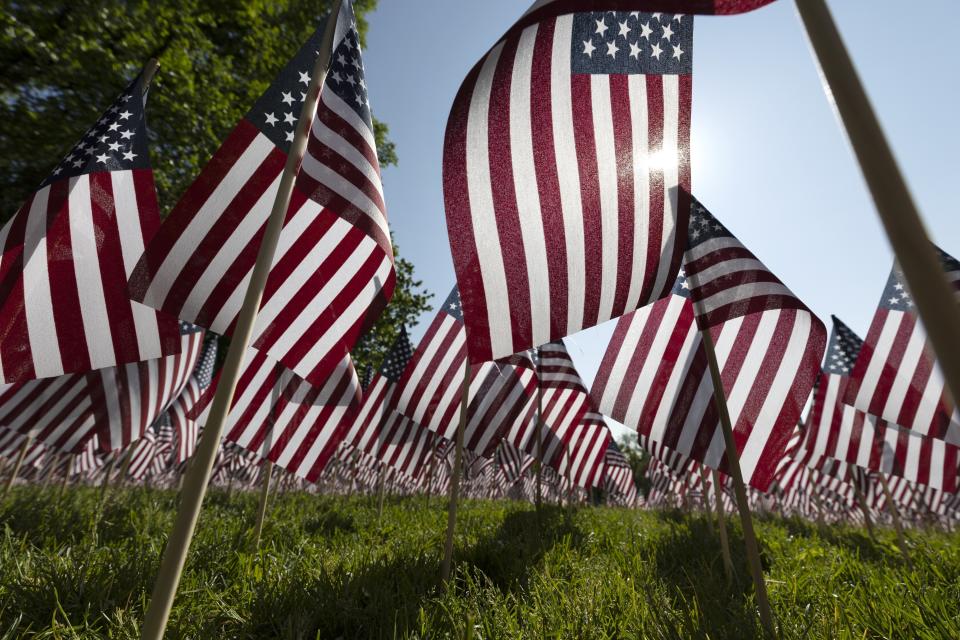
x=328, y=568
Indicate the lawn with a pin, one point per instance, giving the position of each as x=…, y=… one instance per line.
x=329, y=567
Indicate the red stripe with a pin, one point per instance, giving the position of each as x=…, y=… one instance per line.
x=673, y=358
x=891, y=362
x=583, y=133
x=14, y=338
x=657, y=182
x=626, y=199
x=346, y=131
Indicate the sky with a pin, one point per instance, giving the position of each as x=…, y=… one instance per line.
x=769, y=156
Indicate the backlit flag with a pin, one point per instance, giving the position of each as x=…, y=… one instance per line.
x=67, y=253
x=566, y=167
x=281, y=417
x=584, y=451
x=185, y=429
x=654, y=376
x=896, y=376
x=566, y=403
x=333, y=271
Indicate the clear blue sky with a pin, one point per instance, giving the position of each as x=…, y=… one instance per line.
x=769, y=157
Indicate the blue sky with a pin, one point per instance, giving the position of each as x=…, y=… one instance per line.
x=769, y=157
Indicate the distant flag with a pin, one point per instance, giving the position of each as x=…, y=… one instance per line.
x=333, y=272
x=144, y=451
x=896, y=376
x=654, y=376
x=281, y=417
x=584, y=451
x=186, y=429
x=618, y=474
x=56, y=411
x=67, y=253
x=566, y=168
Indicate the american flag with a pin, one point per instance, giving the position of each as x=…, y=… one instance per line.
x=141, y=458
x=501, y=395
x=333, y=271
x=584, y=450
x=546, y=8
x=566, y=403
x=618, y=475
x=566, y=170
x=64, y=304
x=129, y=398
x=654, y=376
x=56, y=411
x=281, y=417
x=187, y=431
x=896, y=376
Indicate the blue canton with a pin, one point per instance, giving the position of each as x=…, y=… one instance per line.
x=117, y=142
x=204, y=369
x=682, y=286
x=452, y=305
x=396, y=361
x=842, y=350
x=703, y=226
x=621, y=42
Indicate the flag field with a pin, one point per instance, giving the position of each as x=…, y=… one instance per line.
x=327, y=567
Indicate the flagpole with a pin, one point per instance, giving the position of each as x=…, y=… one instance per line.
x=705, y=500
x=733, y=460
x=198, y=475
x=537, y=432
x=16, y=467
x=381, y=489
x=455, y=480
x=262, y=508
x=895, y=514
x=934, y=297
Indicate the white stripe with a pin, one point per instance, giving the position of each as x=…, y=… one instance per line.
x=568, y=171
x=678, y=375
x=903, y=381
x=637, y=90
x=333, y=102
x=85, y=242
x=621, y=362
x=654, y=360
x=878, y=360
x=37, y=298
x=739, y=293
x=527, y=194
x=607, y=170
x=337, y=183
x=348, y=152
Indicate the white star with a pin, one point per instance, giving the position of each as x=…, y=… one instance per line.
x=602, y=27
x=635, y=14
x=126, y=135
x=303, y=96
x=677, y=51
x=667, y=32
x=102, y=158
x=624, y=29
x=678, y=17
x=588, y=48
x=657, y=16
x=271, y=119
x=635, y=50
x=114, y=146
x=894, y=300
x=359, y=99
x=126, y=97
x=78, y=163
x=685, y=285
x=57, y=171
x=287, y=98
x=114, y=126
x=125, y=115
x=898, y=286
x=304, y=77
x=342, y=60
x=645, y=31
x=288, y=117
x=336, y=77
x=656, y=51
x=612, y=49
x=129, y=155
x=289, y=136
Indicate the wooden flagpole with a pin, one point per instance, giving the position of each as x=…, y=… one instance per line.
x=381, y=489
x=262, y=508
x=455, y=480
x=539, y=434
x=198, y=474
x=722, y=525
x=16, y=467
x=895, y=514
x=733, y=461
x=935, y=299
x=705, y=500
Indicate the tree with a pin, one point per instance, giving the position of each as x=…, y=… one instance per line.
x=638, y=458
x=64, y=61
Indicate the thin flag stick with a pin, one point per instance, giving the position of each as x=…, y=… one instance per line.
x=198, y=474
x=262, y=508
x=934, y=297
x=16, y=468
x=722, y=525
x=864, y=508
x=455, y=480
x=705, y=500
x=895, y=514
x=537, y=431
x=733, y=460
x=381, y=489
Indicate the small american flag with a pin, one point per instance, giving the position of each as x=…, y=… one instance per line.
x=186, y=430
x=654, y=376
x=566, y=168
x=67, y=253
x=896, y=376
x=566, y=403
x=584, y=451
x=333, y=271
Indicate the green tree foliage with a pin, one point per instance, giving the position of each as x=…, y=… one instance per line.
x=64, y=61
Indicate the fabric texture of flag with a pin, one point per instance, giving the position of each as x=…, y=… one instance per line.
x=566, y=168
x=584, y=451
x=566, y=404
x=654, y=376
x=333, y=270
x=896, y=376
x=186, y=430
x=67, y=253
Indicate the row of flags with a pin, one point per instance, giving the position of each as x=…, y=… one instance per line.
x=567, y=187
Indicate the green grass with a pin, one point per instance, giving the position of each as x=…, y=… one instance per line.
x=329, y=569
